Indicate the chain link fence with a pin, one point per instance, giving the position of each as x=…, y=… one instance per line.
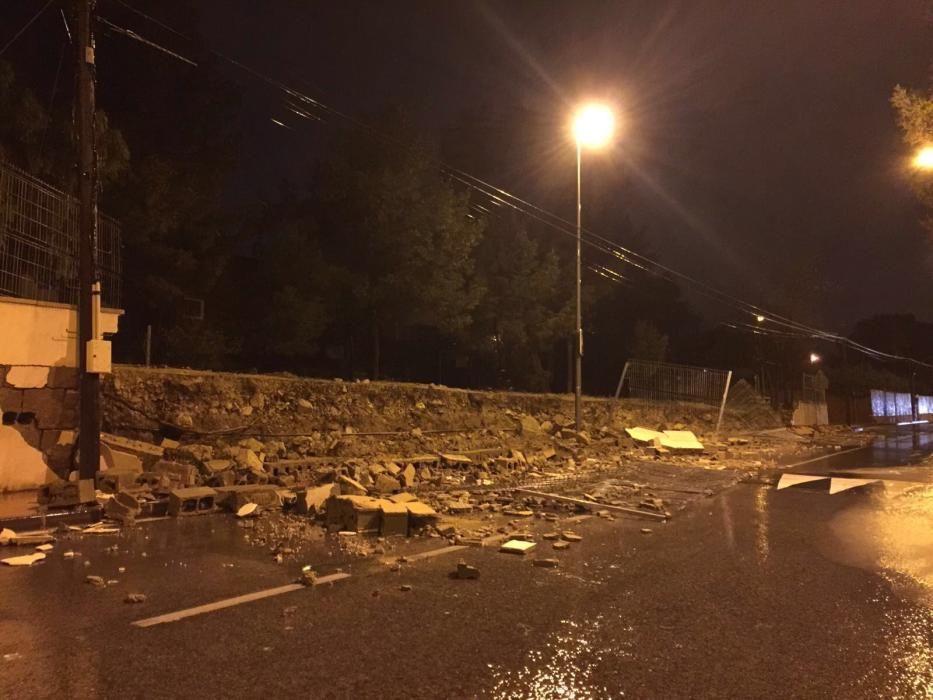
x=665, y=382
x=39, y=242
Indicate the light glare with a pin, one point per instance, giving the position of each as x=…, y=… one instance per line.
x=924, y=158
x=593, y=125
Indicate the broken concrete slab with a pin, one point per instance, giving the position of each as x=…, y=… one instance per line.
x=788, y=480
x=644, y=435
x=547, y=563
x=351, y=486
x=517, y=546
x=839, y=484
x=23, y=560
x=561, y=545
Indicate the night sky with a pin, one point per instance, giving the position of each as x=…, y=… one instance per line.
x=757, y=148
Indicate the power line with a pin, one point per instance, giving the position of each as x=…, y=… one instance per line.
x=25, y=27
x=501, y=197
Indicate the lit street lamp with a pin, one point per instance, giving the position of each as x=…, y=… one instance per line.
x=592, y=128
x=923, y=158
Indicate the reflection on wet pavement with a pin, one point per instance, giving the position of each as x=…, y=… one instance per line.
x=563, y=667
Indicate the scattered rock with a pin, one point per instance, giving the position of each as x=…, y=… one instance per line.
x=135, y=598
x=96, y=581
x=547, y=563
x=465, y=571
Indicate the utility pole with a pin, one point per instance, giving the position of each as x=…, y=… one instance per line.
x=89, y=446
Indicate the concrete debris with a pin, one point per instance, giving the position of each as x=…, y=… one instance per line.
x=351, y=486
x=646, y=531
x=7, y=536
x=569, y=536
x=311, y=501
x=547, y=563
x=196, y=500
x=135, y=598
x=96, y=581
x=24, y=560
x=386, y=484
x=405, y=587
x=517, y=546
x=561, y=544
x=44, y=547
x=248, y=510
x=465, y=571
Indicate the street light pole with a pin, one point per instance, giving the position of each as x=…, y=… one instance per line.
x=578, y=367
x=592, y=127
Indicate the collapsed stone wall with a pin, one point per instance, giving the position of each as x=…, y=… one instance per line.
x=39, y=412
x=318, y=414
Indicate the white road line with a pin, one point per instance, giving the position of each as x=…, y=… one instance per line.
x=435, y=552
x=818, y=459
x=230, y=602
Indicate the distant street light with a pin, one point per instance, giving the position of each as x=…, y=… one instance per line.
x=760, y=318
x=814, y=358
x=923, y=159
x=592, y=128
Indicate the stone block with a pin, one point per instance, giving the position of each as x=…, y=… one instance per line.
x=63, y=378
x=116, y=480
x=178, y=472
x=123, y=507
x=197, y=500
x=46, y=404
x=233, y=498
x=387, y=484
x=64, y=494
x=11, y=400
x=118, y=459
x=311, y=501
x=394, y=519
x=353, y=513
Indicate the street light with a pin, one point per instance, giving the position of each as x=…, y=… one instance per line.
x=592, y=128
x=814, y=358
x=923, y=158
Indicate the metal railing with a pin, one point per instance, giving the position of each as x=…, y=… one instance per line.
x=661, y=381
x=39, y=242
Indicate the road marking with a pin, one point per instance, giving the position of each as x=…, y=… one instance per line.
x=818, y=459
x=435, y=552
x=230, y=602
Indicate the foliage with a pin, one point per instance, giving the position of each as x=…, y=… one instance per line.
x=399, y=232
x=524, y=307
x=648, y=343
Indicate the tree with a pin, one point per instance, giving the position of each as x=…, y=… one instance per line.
x=43, y=143
x=400, y=233
x=523, y=308
x=915, y=118
x=648, y=343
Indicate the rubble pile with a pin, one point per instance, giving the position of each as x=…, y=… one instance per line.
x=365, y=464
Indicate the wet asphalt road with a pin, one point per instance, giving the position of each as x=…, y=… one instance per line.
x=753, y=593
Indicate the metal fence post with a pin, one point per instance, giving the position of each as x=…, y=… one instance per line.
x=621, y=380
x=722, y=406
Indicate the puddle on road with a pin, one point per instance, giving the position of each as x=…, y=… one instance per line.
x=562, y=667
x=891, y=534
